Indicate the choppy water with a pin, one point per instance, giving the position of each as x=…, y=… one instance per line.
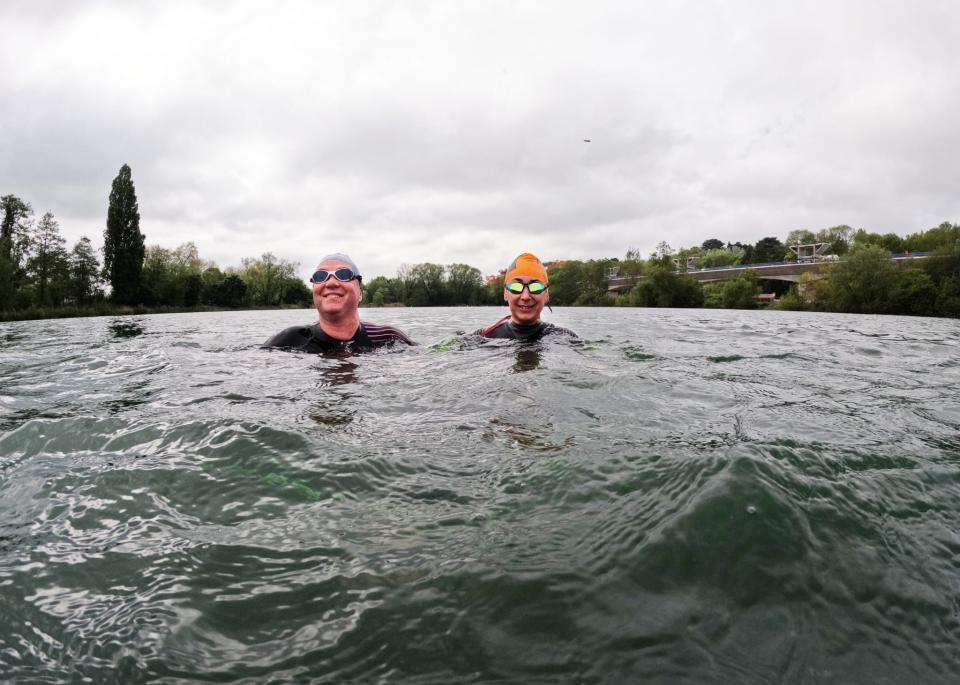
x=687, y=497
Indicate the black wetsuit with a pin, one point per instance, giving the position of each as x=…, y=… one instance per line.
x=312, y=338
x=505, y=328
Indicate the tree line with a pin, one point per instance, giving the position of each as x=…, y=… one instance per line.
x=39, y=276
x=864, y=279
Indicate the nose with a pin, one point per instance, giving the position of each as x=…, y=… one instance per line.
x=331, y=282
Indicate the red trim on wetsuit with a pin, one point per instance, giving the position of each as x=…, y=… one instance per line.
x=486, y=331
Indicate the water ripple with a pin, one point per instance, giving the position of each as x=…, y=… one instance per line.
x=684, y=497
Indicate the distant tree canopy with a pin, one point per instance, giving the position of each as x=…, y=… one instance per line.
x=123, y=244
x=85, y=278
x=48, y=267
x=272, y=281
x=768, y=250
x=37, y=271
x=428, y=284
x=14, y=245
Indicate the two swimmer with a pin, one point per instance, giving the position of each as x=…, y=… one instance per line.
x=337, y=294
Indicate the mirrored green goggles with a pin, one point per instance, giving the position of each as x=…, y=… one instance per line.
x=516, y=287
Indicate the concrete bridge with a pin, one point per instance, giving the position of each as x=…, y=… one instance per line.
x=772, y=271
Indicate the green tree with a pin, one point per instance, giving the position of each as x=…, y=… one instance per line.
x=192, y=289
x=404, y=283
x=838, y=237
x=632, y=264
x=233, y=291
x=566, y=283
x=265, y=278
x=662, y=287
x=14, y=246
x=768, y=249
x=379, y=291
x=913, y=293
x=48, y=262
x=943, y=237
x=428, y=285
x=84, y=273
x=791, y=301
x=296, y=292
x=712, y=244
x=814, y=293
x=712, y=295
x=741, y=292
x=211, y=279
x=123, y=243
x=156, y=277
x=464, y=284
x=948, y=297
x=493, y=289
x=662, y=254
x=721, y=257
x=801, y=236
x=890, y=242
x=862, y=283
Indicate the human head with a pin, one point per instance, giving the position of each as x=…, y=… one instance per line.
x=336, y=300
x=525, y=308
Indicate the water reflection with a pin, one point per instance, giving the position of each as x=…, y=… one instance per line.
x=528, y=358
x=341, y=372
x=334, y=406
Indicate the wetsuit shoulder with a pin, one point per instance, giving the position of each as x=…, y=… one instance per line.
x=379, y=335
x=295, y=337
x=310, y=339
x=501, y=329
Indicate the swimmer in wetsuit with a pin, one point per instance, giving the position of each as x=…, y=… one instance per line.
x=525, y=291
x=336, y=295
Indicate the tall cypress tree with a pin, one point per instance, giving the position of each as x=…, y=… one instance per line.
x=122, y=241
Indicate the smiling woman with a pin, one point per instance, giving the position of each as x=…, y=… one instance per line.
x=337, y=295
x=526, y=292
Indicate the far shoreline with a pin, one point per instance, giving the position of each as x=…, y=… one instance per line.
x=106, y=309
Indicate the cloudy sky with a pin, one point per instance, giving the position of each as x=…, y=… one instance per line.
x=411, y=131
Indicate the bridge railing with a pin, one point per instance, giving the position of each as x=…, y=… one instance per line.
x=792, y=262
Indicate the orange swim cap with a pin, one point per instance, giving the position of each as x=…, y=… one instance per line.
x=526, y=266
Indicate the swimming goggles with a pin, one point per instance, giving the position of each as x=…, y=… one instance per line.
x=343, y=275
x=534, y=287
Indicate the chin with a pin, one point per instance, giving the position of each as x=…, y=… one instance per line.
x=526, y=316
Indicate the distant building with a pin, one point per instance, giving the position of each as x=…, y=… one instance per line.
x=814, y=252
x=691, y=264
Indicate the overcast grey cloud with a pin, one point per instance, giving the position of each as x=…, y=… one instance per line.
x=403, y=132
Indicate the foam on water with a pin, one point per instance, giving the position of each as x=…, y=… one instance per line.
x=685, y=496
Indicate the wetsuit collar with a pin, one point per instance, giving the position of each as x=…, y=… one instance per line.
x=524, y=331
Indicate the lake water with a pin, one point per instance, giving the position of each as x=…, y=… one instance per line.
x=688, y=496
